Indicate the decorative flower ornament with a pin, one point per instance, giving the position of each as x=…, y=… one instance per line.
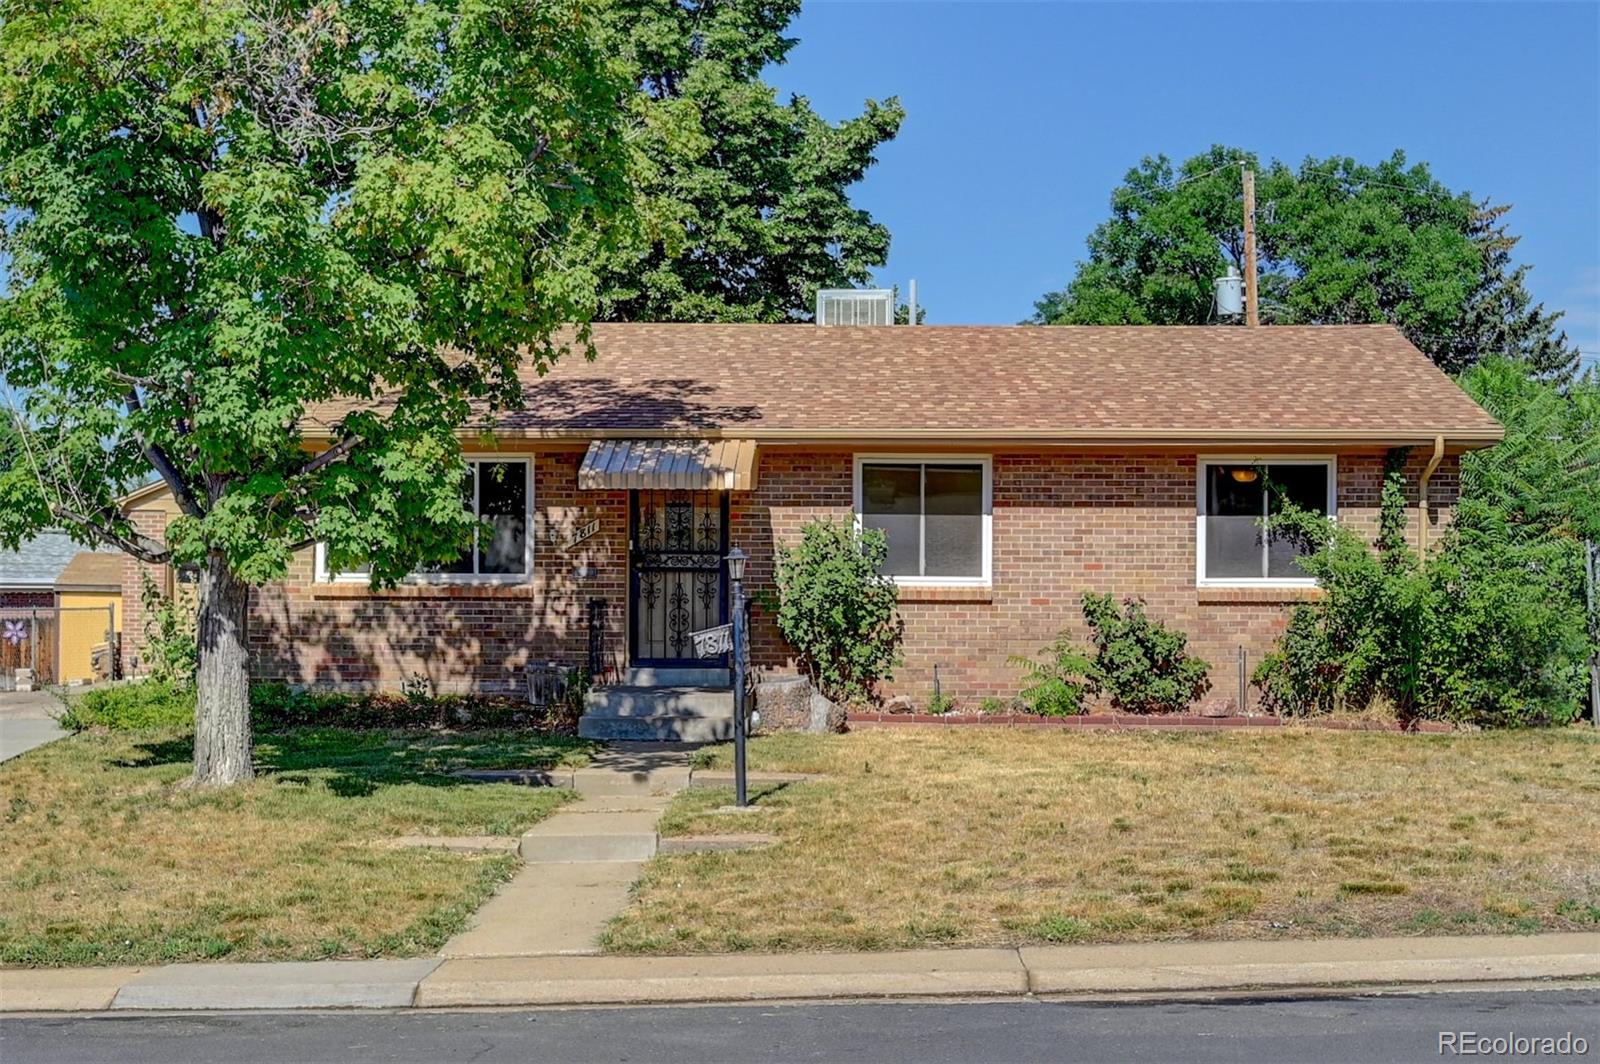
x=14, y=632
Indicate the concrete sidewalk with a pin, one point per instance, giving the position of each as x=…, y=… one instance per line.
x=1178, y=968
x=27, y=720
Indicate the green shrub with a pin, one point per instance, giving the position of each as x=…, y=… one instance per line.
x=276, y=705
x=131, y=706
x=1487, y=633
x=837, y=610
x=1140, y=664
x=941, y=704
x=1058, y=686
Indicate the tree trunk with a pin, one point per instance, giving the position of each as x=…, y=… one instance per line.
x=222, y=746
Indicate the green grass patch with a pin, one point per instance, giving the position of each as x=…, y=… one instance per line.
x=108, y=857
x=1373, y=887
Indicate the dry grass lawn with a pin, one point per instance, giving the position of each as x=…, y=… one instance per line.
x=986, y=836
x=106, y=858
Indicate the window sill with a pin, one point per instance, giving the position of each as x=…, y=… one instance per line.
x=1243, y=594
x=424, y=591
x=945, y=593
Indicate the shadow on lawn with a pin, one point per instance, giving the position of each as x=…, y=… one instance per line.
x=160, y=752
x=356, y=764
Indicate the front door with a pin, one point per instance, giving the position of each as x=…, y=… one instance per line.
x=677, y=544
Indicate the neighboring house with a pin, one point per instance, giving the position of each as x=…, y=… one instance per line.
x=1013, y=468
x=58, y=602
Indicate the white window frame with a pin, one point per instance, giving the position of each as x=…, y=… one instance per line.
x=1203, y=464
x=986, y=464
x=526, y=461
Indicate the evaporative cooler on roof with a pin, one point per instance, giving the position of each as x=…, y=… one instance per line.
x=855, y=306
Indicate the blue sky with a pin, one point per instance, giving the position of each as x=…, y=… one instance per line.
x=1023, y=116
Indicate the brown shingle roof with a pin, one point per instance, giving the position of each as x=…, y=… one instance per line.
x=91, y=569
x=1362, y=382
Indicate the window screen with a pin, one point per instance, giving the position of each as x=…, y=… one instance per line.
x=496, y=492
x=932, y=514
x=1238, y=498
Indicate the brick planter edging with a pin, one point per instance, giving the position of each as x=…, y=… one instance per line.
x=1118, y=721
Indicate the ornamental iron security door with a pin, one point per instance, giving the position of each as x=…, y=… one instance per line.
x=678, y=543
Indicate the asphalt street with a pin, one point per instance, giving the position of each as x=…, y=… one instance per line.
x=1353, y=1029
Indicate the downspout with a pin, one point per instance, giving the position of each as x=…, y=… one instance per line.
x=1422, y=496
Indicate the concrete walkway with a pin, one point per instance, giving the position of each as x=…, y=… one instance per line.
x=1170, y=969
x=582, y=860
x=27, y=720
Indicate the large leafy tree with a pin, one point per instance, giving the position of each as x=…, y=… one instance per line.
x=746, y=208
x=221, y=216
x=1338, y=242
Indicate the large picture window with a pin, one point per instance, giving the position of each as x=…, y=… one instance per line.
x=935, y=514
x=499, y=492
x=1235, y=497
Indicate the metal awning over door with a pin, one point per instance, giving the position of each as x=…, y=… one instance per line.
x=687, y=465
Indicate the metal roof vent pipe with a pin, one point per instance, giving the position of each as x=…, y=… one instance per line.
x=1230, y=294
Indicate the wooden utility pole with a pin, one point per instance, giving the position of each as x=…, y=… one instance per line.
x=1251, y=317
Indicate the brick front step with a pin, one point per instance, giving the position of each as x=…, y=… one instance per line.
x=1116, y=721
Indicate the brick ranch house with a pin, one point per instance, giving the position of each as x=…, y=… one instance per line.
x=1013, y=468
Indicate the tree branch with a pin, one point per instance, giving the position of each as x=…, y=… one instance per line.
x=163, y=464
x=331, y=455
x=142, y=547
x=132, y=381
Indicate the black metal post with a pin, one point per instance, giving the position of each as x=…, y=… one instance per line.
x=740, y=791
x=1591, y=572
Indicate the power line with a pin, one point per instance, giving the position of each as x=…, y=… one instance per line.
x=1208, y=173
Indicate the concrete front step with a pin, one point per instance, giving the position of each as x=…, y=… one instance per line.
x=669, y=728
x=670, y=714
x=690, y=677
x=624, y=701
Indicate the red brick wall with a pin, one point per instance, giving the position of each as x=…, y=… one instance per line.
x=25, y=600
x=153, y=523
x=457, y=637
x=1063, y=524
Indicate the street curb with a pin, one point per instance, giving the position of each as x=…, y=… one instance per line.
x=62, y=989
x=1183, y=968
x=638, y=980
x=282, y=985
x=1177, y=967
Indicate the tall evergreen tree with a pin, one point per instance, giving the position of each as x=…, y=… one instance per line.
x=1501, y=316
x=746, y=206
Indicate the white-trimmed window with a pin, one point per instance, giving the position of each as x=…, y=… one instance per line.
x=499, y=492
x=1234, y=498
x=936, y=512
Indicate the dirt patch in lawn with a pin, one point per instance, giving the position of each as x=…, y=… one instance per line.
x=106, y=858
x=1006, y=837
